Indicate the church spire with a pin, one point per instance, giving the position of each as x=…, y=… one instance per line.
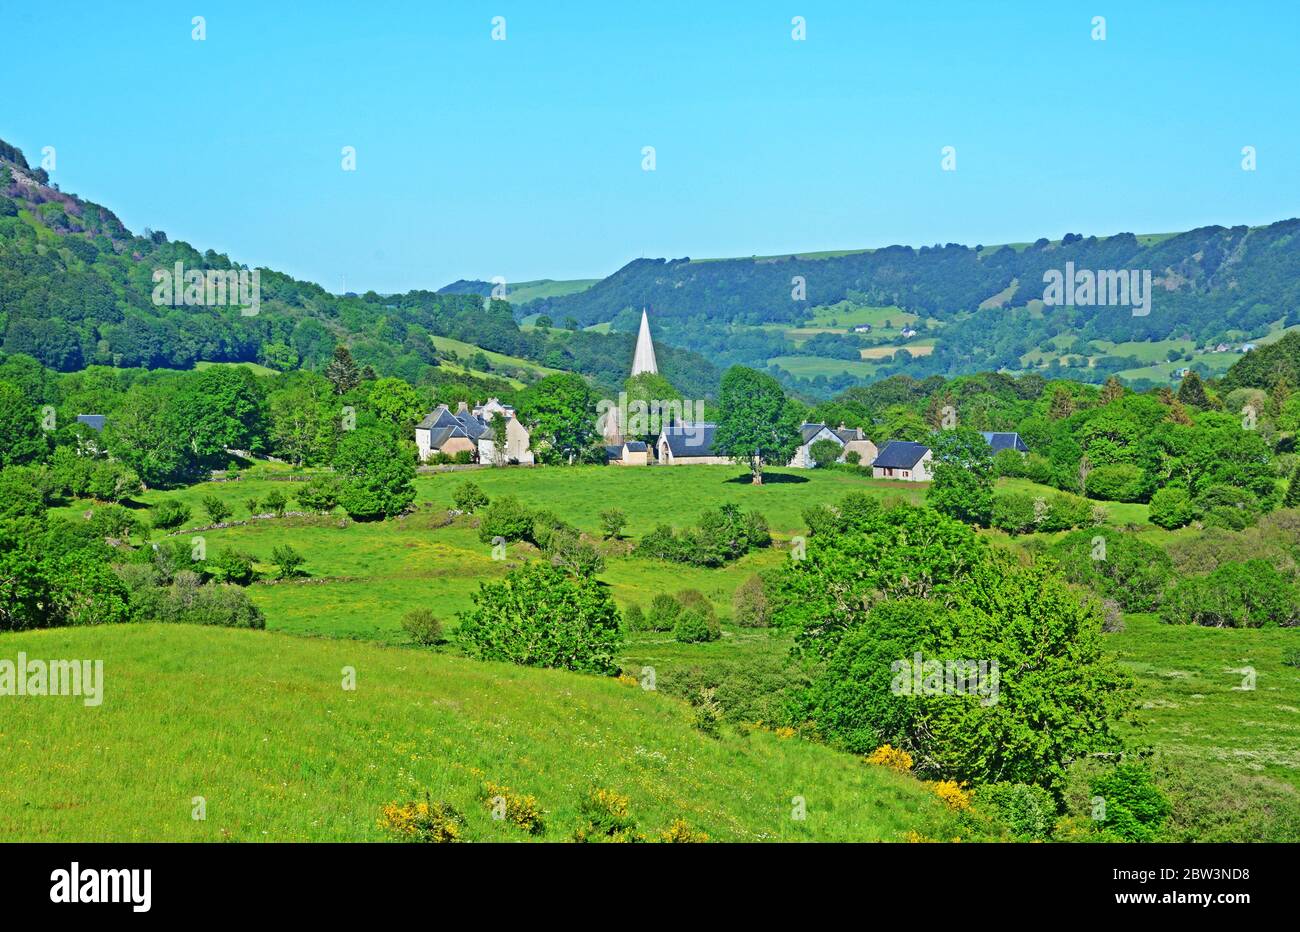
x=644, y=358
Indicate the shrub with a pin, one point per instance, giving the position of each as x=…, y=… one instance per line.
x=320, y=494
x=287, y=560
x=217, y=510
x=1028, y=811
x=681, y=833
x=539, y=616
x=572, y=554
x=825, y=452
x=952, y=793
x=663, y=613
x=435, y=823
x=612, y=522
x=1013, y=512
x=422, y=627
x=110, y=481
x=853, y=457
x=463, y=457
x=891, y=757
x=749, y=605
x=1114, y=564
x=722, y=535
x=234, y=566
x=1135, y=807
x=469, y=498
x=1119, y=482
x=519, y=810
x=254, y=506
x=605, y=816
x=1171, y=507
x=506, y=518
x=276, y=502
x=169, y=513
x=634, y=618
x=189, y=601
x=694, y=627
x=1020, y=618
x=544, y=525
x=1251, y=594
x=114, y=521
x=1227, y=506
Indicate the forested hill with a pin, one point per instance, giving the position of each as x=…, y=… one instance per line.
x=77, y=289
x=1207, y=282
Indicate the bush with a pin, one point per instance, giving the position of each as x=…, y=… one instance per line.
x=605, y=816
x=276, y=502
x=1120, y=482
x=723, y=534
x=663, y=613
x=506, y=518
x=254, y=506
x=1028, y=811
x=1227, y=506
x=234, y=566
x=695, y=627
x=749, y=605
x=634, y=618
x=1013, y=512
x=189, y=601
x=539, y=616
x=217, y=510
x=422, y=627
x=169, y=514
x=612, y=522
x=572, y=554
x=519, y=810
x=287, y=560
x=432, y=823
x=825, y=452
x=1251, y=594
x=1135, y=807
x=1171, y=507
x=110, y=481
x=469, y=498
x=853, y=457
x=114, y=521
x=320, y=494
x=544, y=525
x=1112, y=563
x=1008, y=618
x=681, y=833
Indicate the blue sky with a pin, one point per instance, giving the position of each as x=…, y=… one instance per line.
x=523, y=158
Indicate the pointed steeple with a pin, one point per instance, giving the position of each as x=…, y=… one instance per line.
x=644, y=358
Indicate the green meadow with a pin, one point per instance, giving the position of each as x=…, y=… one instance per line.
x=260, y=726
x=257, y=723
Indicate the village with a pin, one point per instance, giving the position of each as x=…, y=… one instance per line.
x=469, y=435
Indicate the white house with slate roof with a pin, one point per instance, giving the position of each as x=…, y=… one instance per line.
x=850, y=439
x=689, y=445
x=903, y=459
x=450, y=432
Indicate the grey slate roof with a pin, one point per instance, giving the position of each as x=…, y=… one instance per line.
x=900, y=454
x=690, y=439
x=93, y=421
x=1004, y=440
x=636, y=446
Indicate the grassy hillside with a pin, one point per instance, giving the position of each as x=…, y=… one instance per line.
x=257, y=723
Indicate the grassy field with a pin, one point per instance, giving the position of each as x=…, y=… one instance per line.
x=260, y=726
x=452, y=717
x=498, y=361
x=523, y=292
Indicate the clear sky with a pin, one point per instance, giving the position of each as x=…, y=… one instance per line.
x=523, y=157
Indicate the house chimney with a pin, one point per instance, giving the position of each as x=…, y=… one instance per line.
x=461, y=407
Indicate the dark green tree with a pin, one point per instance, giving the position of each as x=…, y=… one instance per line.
x=757, y=424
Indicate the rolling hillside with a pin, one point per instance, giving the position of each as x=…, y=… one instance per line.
x=259, y=726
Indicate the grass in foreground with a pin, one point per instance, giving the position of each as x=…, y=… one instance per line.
x=258, y=725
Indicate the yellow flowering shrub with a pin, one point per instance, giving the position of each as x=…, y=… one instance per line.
x=605, y=815
x=681, y=833
x=785, y=731
x=891, y=757
x=628, y=680
x=520, y=811
x=952, y=794
x=437, y=823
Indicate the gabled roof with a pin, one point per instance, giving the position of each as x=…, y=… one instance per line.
x=849, y=434
x=689, y=439
x=809, y=431
x=635, y=446
x=1004, y=440
x=900, y=454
